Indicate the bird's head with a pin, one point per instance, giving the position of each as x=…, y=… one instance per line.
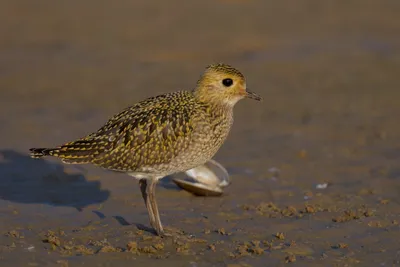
x=223, y=84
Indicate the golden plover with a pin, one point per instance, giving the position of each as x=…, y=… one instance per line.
x=162, y=135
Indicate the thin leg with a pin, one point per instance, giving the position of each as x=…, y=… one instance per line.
x=143, y=189
x=151, y=193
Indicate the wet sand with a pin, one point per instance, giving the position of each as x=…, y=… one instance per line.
x=329, y=73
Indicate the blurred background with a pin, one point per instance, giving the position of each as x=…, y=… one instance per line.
x=328, y=71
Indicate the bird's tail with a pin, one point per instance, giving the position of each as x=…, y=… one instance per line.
x=39, y=152
x=76, y=152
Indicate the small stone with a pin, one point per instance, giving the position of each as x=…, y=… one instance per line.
x=290, y=258
x=280, y=236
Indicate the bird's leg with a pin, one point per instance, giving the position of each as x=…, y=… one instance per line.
x=151, y=192
x=144, y=188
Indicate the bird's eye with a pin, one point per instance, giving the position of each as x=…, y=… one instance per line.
x=227, y=82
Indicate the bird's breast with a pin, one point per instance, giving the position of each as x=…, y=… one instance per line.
x=207, y=137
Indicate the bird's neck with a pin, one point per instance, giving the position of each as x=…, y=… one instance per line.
x=220, y=112
x=215, y=101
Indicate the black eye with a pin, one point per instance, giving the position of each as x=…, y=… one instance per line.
x=227, y=82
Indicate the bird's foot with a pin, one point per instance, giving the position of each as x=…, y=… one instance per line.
x=177, y=234
x=162, y=233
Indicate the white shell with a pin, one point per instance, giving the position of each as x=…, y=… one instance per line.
x=206, y=180
x=198, y=189
x=211, y=173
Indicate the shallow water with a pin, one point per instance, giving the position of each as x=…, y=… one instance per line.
x=328, y=73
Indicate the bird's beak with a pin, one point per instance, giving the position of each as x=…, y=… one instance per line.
x=252, y=95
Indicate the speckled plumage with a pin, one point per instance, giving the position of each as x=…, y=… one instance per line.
x=165, y=134
x=161, y=135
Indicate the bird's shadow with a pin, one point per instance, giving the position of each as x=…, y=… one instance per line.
x=139, y=226
x=27, y=180
x=121, y=220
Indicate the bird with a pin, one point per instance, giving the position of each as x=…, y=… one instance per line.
x=162, y=135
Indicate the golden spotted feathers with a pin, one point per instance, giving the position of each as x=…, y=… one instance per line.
x=162, y=134
x=224, y=69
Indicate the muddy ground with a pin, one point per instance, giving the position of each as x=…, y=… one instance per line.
x=330, y=75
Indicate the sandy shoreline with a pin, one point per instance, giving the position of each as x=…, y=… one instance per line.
x=329, y=77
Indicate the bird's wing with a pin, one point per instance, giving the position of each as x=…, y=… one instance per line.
x=149, y=133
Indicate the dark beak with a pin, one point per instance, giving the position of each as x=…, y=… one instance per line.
x=253, y=96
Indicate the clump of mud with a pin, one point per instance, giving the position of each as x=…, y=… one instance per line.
x=140, y=243
x=269, y=209
x=349, y=215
